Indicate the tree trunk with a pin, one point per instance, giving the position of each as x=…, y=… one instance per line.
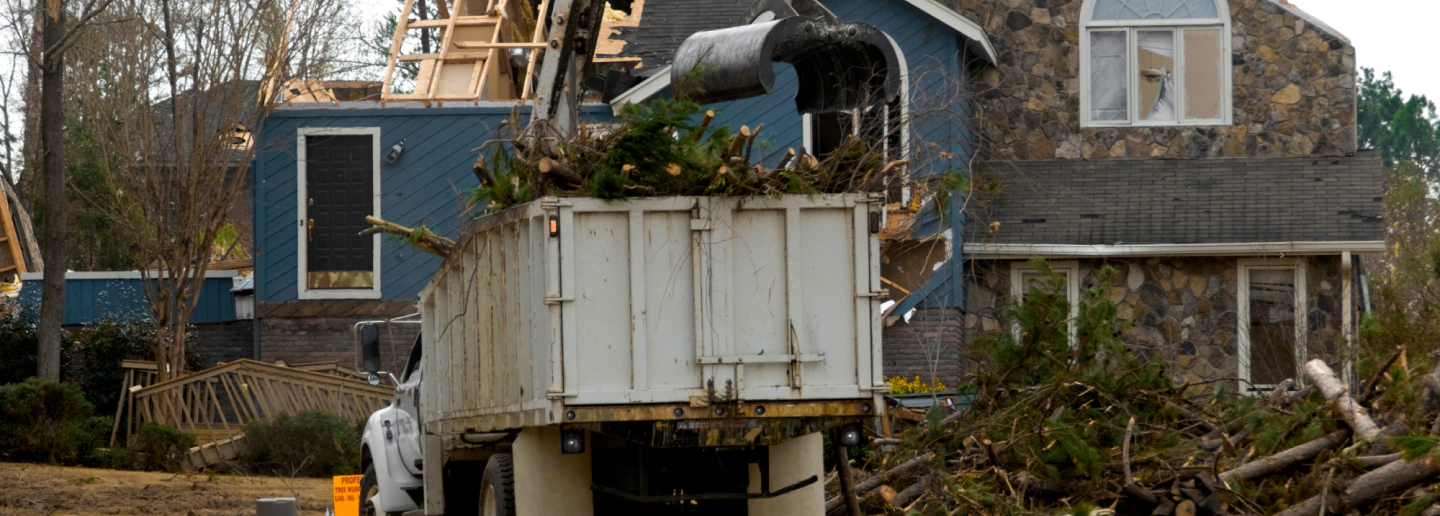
x=1322, y=377
x=847, y=480
x=30, y=179
x=52, y=147
x=1267, y=465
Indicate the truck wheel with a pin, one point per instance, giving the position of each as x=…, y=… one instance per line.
x=369, y=487
x=497, y=487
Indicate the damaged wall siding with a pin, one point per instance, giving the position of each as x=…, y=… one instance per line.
x=1294, y=88
x=1183, y=310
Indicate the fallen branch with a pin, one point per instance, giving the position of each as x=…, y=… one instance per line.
x=1355, y=415
x=847, y=480
x=423, y=238
x=1304, y=452
x=1369, y=390
x=1367, y=488
x=870, y=484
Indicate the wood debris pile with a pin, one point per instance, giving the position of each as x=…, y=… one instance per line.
x=666, y=148
x=1085, y=428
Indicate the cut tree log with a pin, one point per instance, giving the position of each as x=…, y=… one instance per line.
x=882, y=478
x=785, y=160
x=910, y=494
x=1381, y=446
x=847, y=480
x=483, y=174
x=1304, y=452
x=1323, y=378
x=559, y=174
x=704, y=126
x=1365, y=489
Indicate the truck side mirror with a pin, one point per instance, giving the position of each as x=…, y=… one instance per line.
x=370, y=348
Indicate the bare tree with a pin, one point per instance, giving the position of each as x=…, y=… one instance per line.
x=57, y=39
x=174, y=91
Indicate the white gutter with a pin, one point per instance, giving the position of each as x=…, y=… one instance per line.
x=1023, y=251
x=643, y=91
x=965, y=26
x=115, y=275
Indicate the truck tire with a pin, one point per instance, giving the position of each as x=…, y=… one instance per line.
x=497, y=487
x=369, y=487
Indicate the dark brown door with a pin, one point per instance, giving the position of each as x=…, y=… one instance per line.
x=340, y=183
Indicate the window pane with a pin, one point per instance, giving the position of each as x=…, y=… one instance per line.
x=1154, y=9
x=1109, y=100
x=1204, y=65
x=1156, y=55
x=1272, y=326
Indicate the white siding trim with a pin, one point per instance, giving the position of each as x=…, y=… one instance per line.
x=116, y=275
x=965, y=26
x=302, y=253
x=1018, y=251
x=643, y=91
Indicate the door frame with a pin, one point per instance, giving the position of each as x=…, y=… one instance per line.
x=302, y=135
x=1242, y=319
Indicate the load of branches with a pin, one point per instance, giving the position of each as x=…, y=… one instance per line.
x=664, y=148
x=1067, y=420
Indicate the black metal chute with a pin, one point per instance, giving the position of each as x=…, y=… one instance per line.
x=840, y=65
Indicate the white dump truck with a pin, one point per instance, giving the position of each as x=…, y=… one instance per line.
x=674, y=355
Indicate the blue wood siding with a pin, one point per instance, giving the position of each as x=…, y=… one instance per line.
x=427, y=186
x=93, y=300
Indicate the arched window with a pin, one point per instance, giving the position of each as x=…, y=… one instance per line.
x=1154, y=62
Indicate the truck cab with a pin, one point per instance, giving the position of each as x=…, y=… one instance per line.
x=390, y=452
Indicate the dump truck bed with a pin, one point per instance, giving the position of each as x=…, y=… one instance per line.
x=583, y=310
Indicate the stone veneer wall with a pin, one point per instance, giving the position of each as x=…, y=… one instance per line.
x=928, y=346
x=1294, y=89
x=1183, y=310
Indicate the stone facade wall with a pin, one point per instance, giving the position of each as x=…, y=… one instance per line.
x=1294, y=89
x=1183, y=310
x=928, y=346
x=325, y=339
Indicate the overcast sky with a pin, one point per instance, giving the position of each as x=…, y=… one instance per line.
x=1393, y=35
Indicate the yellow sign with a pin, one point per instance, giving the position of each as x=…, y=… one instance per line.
x=347, y=495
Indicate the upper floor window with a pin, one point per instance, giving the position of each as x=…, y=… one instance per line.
x=1154, y=62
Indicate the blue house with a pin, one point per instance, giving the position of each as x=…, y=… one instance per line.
x=322, y=167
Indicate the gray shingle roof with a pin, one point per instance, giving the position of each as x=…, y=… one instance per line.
x=665, y=24
x=1230, y=200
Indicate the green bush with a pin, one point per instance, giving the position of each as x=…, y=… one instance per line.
x=99, y=347
x=45, y=421
x=112, y=458
x=313, y=443
x=18, y=344
x=162, y=448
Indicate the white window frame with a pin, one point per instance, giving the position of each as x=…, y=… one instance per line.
x=302, y=135
x=1071, y=272
x=1131, y=27
x=807, y=122
x=1242, y=319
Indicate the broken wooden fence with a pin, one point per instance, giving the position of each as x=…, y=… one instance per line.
x=215, y=404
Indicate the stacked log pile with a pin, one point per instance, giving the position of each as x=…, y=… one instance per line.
x=1326, y=448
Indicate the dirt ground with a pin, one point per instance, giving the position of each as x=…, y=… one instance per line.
x=36, y=489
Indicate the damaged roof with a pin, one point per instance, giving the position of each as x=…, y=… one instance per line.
x=665, y=24
x=1230, y=200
